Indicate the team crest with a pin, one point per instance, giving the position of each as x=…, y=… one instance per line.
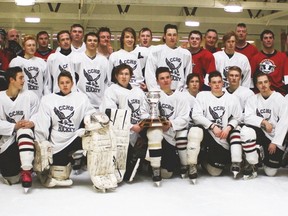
x=32, y=74
x=267, y=66
x=217, y=114
x=64, y=116
x=174, y=69
x=134, y=106
x=92, y=84
x=14, y=116
x=165, y=110
x=264, y=113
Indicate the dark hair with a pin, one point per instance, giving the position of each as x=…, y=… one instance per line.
x=103, y=29
x=214, y=74
x=195, y=32
x=235, y=68
x=41, y=33
x=65, y=74
x=122, y=67
x=266, y=31
x=75, y=26
x=12, y=73
x=259, y=74
x=211, y=30
x=162, y=70
x=130, y=30
x=62, y=32
x=169, y=26
x=191, y=76
x=228, y=35
x=243, y=25
x=90, y=34
x=145, y=29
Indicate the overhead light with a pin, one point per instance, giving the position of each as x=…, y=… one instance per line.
x=24, y=2
x=233, y=6
x=32, y=19
x=191, y=23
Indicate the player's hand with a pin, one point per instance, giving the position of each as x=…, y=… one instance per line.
x=217, y=131
x=166, y=127
x=136, y=128
x=268, y=127
x=272, y=148
x=225, y=132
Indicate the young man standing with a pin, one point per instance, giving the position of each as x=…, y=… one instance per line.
x=16, y=129
x=271, y=62
x=203, y=61
x=43, y=51
x=145, y=37
x=177, y=59
x=211, y=38
x=104, y=45
x=91, y=69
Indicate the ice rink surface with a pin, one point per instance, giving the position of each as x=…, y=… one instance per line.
x=210, y=196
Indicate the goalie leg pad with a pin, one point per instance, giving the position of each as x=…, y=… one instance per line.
x=101, y=168
x=269, y=171
x=11, y=179
x=235, y=145
x=155, y=136
x=25, y=139
x=120, y=132
x=181, y=145
x=43, y=156
x=195, y=137
x=248, y=139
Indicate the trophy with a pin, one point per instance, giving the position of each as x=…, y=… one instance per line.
x=155, y=119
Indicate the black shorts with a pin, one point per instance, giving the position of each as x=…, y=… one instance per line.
x=170, y=159
x=10, y=164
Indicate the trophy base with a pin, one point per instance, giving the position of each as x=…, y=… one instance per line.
x=158, y=122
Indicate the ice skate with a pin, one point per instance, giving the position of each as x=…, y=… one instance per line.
x=183, y=171
x=156, y=176
x=26, y=180
x=250, y=171
x=131, y=169
x=235, y=169
x=192, y=173
x=103, y=190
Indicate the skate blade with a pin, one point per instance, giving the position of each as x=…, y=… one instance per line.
x=157, y=183
x=248, y=177
x=193, y=181
x=26, y=190
x=77, y=172
x=183, y=176
x=103, y=190
x=235, y=173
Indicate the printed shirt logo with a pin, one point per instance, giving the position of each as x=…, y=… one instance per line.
x=225, y=77
x=264, y=113
x=166, y=110
x=134, y=106
x=14, y=116
x=32, y=79
x=63, y=69
x=217, y=113
x=92, y=83
x=174, y=69
x=191, y=122
x=64, y=114
x=267, y=66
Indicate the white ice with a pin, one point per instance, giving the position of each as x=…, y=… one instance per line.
x=210, y=196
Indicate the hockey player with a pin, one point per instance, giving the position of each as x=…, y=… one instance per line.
x=228, y=57
x=34, y=68
x=61, y=61
x=91, y=69
x=266, y=120
x=236, y=144
x=242, y=46
x=104, y=45
x=177, y=59
x=77, y=34
x=145, y=37
x=16, y=129
x=271, y=62
x=218, y=113
x=127, y=55
x=203, y=61
x=58, y=133
x=161, y=140
x=5, y=54
x=123, y=95
x=211, y=38
x=43, y=51
x=185, y=138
